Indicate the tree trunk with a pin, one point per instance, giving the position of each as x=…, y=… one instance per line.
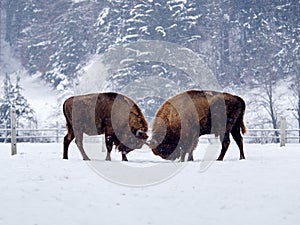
x=272, y=110
x=298, y=109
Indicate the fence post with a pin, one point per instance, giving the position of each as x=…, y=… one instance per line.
x=13, y=131
x=57, y=132
x=6, y=133
x=282, y=131
x=103, y=147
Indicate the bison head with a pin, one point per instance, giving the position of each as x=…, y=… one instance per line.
x=132, y=141
x=129, y=124
x=136, y=135
x=167, y=149
x=138, y=126
x=139, y=139
x=164, y=140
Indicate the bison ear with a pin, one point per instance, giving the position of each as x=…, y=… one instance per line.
x=129, y=102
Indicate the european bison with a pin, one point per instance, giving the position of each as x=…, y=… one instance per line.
x=180, y=121
x=112, y=114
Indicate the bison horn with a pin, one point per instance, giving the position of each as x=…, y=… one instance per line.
x=148, y=143
x=152, y=143
x=139, y=133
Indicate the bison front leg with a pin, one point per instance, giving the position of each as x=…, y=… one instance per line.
x=189, y=146
x=182, y=155
x=123, y=149
x=124, y=158
x=191, y=150
x=78, y=141
x=109, y=145
x=191, y=157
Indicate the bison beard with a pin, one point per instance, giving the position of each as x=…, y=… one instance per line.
x=114, y=115
x=183, y=118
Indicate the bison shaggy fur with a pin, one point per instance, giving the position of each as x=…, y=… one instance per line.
x=114, y=115
x=182, y=119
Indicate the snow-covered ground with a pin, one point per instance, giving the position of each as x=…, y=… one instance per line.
x=37, y=187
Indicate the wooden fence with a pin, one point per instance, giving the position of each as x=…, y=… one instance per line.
x=15, y=135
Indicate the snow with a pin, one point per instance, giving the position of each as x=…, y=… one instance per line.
x=8, y=61
x=78, y=1
x=41, y=98
x=42, y=43
x=130, y=36
x=38, y=187
x=280, y=7
x=104, y=13
x=143, y=28
x=161, y=30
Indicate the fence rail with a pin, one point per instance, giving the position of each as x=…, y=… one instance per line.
x=269, y=136
x=34, y=135
x=57, y=135
x=14, y=134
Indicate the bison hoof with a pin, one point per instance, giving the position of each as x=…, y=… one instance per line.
x=86, y=159
x=219, y=159
x=190, y=159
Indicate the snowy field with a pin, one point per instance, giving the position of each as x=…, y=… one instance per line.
x=37, y=187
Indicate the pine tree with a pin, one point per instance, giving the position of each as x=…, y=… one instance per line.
x=6, y=102
x=269, y=39
x=174, y=21
x=110, y=26
x=236, y=38
x=73, y=32
x=25, y=114
x=295, y=106
x=12, y=97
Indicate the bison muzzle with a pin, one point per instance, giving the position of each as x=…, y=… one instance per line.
x=114, y=115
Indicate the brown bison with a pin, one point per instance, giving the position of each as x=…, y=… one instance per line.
x=180, y=121
x=114, y=115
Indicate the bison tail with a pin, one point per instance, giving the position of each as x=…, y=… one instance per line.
x=243, y=127
x=67, y=109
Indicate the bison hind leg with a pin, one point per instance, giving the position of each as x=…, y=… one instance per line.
x=78, y=141
x=67, y=140
x=236, y=134
x=225, y=139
